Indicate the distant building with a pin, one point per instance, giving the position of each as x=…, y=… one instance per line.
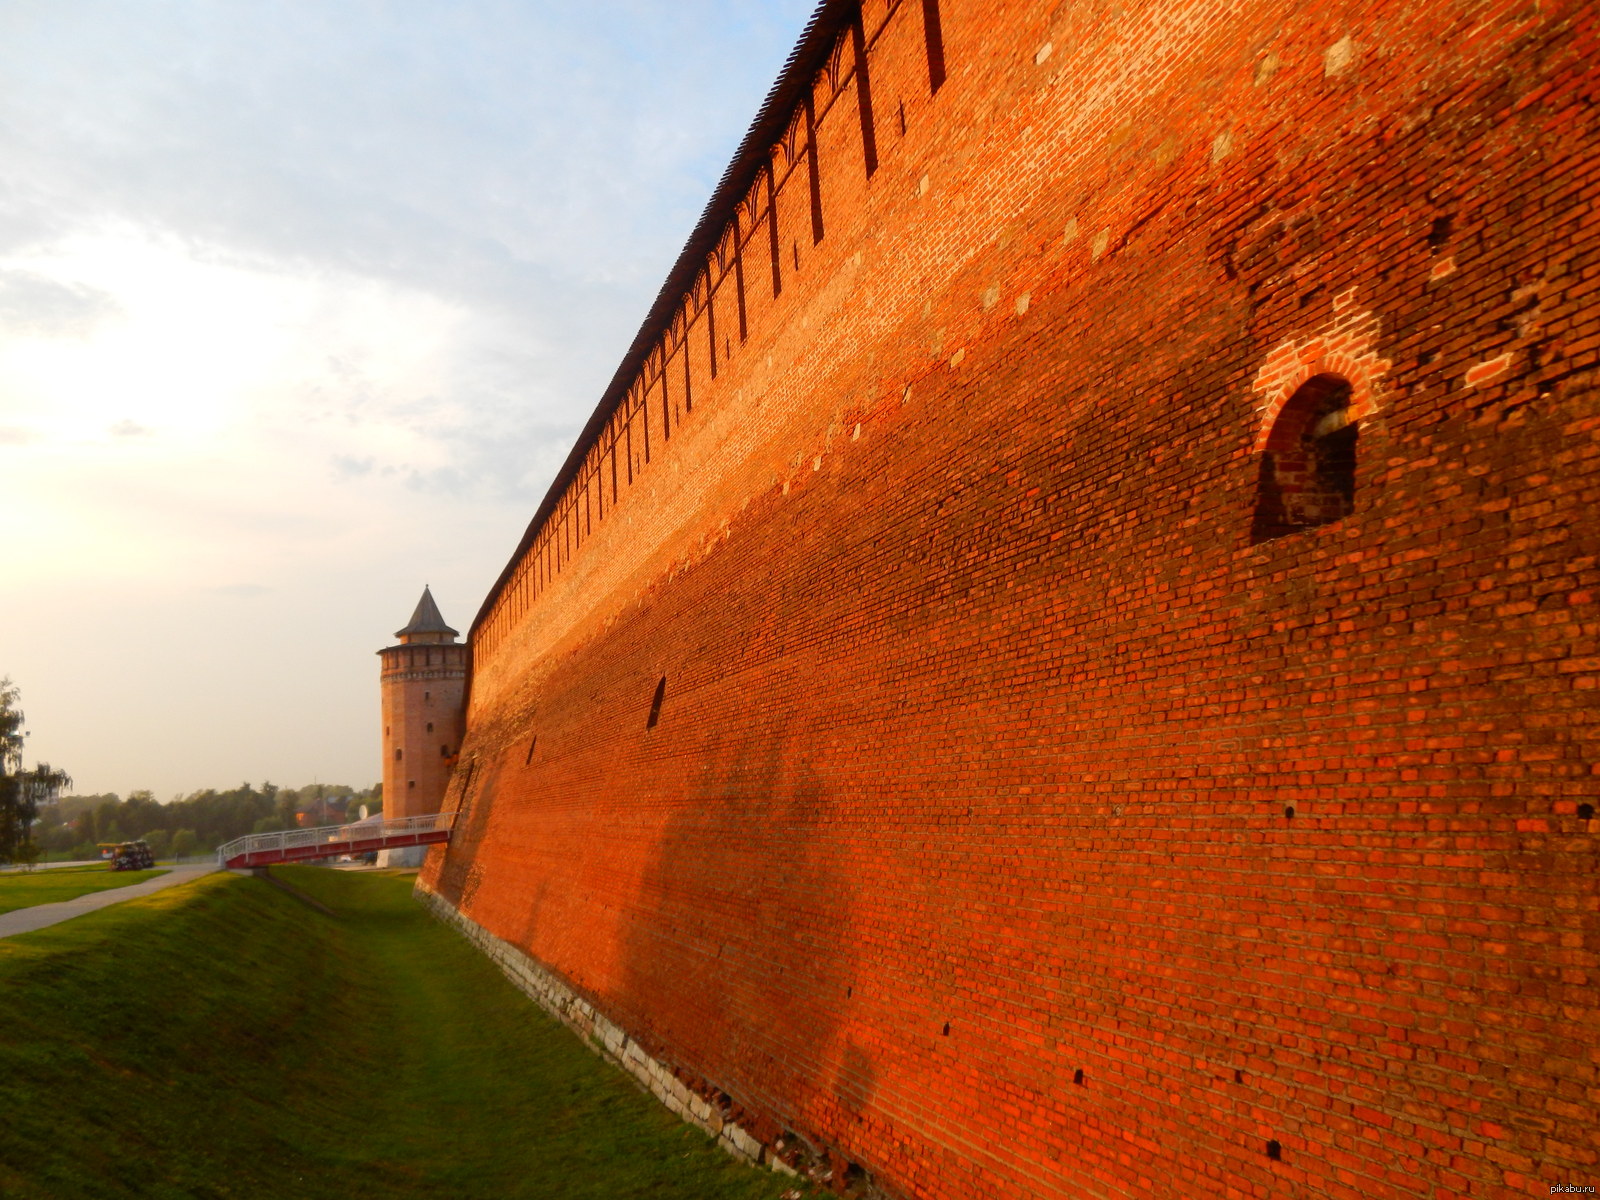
x=423, y=684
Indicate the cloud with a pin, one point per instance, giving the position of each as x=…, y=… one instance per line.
x=347, y=466
x=36, y=304
x=129, y=429
x=533, y=169
x=490, y=150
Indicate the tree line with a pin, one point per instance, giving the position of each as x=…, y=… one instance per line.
x=73, y=826
x=37, y=821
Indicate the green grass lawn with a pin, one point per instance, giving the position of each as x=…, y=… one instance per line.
x=24, y=890
x=220, y=1039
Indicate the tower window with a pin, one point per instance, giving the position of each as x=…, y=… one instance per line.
x=430, y=726
x=398, y=753
x=1308, y=470
x=411, y=783
x=444, y=751
x=655, y=704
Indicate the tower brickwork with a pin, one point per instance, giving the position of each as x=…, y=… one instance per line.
x=424, y=683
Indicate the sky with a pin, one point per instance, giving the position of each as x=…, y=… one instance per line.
x=302, y=305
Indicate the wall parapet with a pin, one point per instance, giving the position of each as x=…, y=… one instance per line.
x=739, y=239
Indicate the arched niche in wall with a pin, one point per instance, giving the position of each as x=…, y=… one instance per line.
x=1307, y=473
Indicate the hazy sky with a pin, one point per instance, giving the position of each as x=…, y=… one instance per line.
x=301, y=306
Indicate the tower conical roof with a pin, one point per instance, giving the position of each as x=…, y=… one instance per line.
x=426, y=618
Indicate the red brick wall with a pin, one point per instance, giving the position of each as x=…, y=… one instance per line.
x=984, y=715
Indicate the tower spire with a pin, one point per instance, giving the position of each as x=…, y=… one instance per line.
x=426, y=619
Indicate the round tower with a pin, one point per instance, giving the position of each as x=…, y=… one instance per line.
x=424, y=681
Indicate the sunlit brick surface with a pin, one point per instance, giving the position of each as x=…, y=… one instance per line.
x=984, y=714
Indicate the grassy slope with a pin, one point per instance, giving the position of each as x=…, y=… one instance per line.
x=66, y=883
x=221, y=1039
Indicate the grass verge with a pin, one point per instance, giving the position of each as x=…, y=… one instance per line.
x=221, y=1039
x=66, y=883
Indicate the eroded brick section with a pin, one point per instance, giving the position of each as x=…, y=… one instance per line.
x=1013, y=823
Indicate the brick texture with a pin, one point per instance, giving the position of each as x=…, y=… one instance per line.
x=1012, y=823
x=423, y=687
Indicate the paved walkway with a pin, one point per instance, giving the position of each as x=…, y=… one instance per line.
x=26, y=920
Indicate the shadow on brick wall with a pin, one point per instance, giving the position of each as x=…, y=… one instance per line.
x=741, y=959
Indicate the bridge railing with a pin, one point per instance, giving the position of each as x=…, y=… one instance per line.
x=334, y=835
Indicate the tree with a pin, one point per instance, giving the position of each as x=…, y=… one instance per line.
x=284, y=809
x=39, y=785
x=21, y=791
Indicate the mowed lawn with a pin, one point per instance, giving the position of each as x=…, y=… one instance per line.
x=25, y=889
x=221, y=1039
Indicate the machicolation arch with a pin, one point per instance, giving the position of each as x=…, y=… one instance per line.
x=1308, y=468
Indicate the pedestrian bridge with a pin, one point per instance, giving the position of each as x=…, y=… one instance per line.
x=330, y=841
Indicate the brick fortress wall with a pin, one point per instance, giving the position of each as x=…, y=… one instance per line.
x=1019, y=815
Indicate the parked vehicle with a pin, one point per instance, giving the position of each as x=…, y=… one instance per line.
x=131, y=856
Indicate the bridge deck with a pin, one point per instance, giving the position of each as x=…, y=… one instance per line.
x=330, y=841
